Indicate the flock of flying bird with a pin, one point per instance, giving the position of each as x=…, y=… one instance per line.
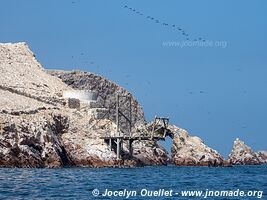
x=181, y=31
x=157, y=21
x=173, y=26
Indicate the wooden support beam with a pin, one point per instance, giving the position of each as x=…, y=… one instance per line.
x=128, y=119
x=118, y=148
x=131, y=148
x=110, y=144
x=117, y=113
x=124, y=135
x=130, y=116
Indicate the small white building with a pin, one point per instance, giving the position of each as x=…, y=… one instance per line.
x=76, y=97
x=82, y=95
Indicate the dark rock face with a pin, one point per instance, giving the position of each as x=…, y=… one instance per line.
x=107, y=91
x=243, y=155
x=32, y=140
x=262, y=155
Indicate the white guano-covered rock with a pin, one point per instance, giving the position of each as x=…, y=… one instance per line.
x=243, y=155
x=191, y=151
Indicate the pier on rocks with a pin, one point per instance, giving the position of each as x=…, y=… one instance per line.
x=157, y=130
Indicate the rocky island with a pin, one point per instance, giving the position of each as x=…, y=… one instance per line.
x=244, y=155
x=40, y=127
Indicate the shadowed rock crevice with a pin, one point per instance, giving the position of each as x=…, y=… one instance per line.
x=31, y=141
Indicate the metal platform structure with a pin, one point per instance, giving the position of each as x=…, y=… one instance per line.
x=156, y=131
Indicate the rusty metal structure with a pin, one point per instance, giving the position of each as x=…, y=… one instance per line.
x=158, y=130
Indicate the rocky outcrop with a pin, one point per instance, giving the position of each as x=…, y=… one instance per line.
x=243, y=155
x=107, y=91
x=150, y=153
x=37, y=129
x=262, y=155
x=30, y=122
x=21, y=74
x=86, y=148
x=33, y=140
x=191, y=151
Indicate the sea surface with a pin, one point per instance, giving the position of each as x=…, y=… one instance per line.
x=84, y=183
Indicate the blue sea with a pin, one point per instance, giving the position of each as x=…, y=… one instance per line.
x=166, y=182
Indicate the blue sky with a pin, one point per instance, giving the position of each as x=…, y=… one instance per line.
x=213, y=92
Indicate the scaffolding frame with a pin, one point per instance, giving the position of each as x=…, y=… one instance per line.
x=117, y=140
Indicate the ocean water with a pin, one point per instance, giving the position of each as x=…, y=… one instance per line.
x=82, y=183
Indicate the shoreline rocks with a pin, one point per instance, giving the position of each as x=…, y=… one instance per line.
x=191, y=151
x=32, y=130
x=243, y=155
x=32, y=141
x=150, y=153
x=39, y=129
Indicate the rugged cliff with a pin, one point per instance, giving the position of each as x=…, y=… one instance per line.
x=106, y=89
x=148, y=152
x=30, y=121
x=38, y=129
x=21, y=74
x=191, y=151
x=33, y=140
x=243, y=155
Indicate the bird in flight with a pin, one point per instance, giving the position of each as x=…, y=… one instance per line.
x=181, y=31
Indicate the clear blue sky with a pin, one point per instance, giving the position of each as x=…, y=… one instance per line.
x=215, y=93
